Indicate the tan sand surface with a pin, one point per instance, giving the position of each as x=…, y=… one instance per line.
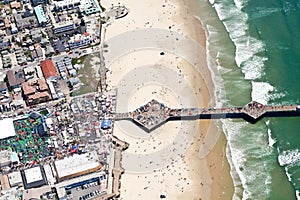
x=185, y=159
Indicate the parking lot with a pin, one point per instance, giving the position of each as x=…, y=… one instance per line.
x=87, y=189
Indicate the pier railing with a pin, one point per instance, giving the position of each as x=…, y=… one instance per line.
x=154, y=114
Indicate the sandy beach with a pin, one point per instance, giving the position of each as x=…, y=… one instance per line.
x=158, y=52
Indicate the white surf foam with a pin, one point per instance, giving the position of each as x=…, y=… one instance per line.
x=242, y=147
x=240, y=3
x=289, y=158
x=248, y=183
x=263, y=92
x=247, y=48
x=271, y=141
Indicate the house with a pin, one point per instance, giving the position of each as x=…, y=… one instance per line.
x=48, y=70
x=13, y=28
x=44, y=42
x=49, y=51
x=4, y=43
x=15, y=78
x=6, y=61
x=3, y=86
x=7, y=23
x=39, y=52
x=30, y=73
x=15, y=5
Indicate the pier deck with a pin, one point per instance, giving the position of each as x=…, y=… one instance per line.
x=154, y=114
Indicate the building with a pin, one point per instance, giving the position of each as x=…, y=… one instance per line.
x=63, y=28
x=15, y=5
x=4, y=44
x=79, y=41
x=33, y=177
x=37, y=2
x=8, y=157
x=15, y=78
x=89, y=7
x=7, y=23
x=38, y=98
x=48, y=69
x=13, y=28
x=3, y=87
x=36, y=35
x=7, y=128
x=41, y=16
x=6, y=61
x=49, y=173
x=67, y=187
x=26, y=20
x=86, y=6
x=66, y=5
x=77, y=165
x=34, y=86
x=38, y=50
x=49, y=50
x=2, y=23
x=4, y=182
x=15, y=179
x=36, y=91
x=30, y=73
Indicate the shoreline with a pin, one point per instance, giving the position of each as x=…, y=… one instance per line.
x=216, y=156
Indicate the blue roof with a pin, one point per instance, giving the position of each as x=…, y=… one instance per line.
x=40, y=14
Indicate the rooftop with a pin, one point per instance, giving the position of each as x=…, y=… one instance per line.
x=15, y=178
x=15, y=77
x=39, y=95
x=40, y=14
x=33, y=177
x=7, y=128
x=77, y=165
x=48, y=69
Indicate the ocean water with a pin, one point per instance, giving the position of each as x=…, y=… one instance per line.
x=254, y=49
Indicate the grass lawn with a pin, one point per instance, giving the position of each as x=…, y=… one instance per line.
x=87, y=76
x=79, y=60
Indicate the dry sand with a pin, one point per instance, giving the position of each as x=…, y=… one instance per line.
x=184, y=159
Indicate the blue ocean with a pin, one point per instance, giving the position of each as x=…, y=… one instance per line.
x=254, y=54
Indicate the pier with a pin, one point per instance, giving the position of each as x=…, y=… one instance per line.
x=154, y=114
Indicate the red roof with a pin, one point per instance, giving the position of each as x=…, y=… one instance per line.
x=48, y=68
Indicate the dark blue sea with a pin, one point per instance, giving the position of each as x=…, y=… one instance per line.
x=254, y=54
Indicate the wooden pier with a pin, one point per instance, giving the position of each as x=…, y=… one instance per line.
x=154, y=114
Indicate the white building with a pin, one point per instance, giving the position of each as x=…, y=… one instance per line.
x=15, y=179
x=7, y=128
x=77, y=165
